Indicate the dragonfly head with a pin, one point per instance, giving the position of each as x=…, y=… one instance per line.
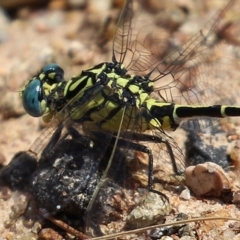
x=34, y=93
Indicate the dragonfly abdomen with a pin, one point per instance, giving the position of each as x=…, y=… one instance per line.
x=218, y=111
x=167, y=115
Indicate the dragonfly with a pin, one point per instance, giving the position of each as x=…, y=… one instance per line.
x=132, y=101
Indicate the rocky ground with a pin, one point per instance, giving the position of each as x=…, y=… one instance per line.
x=78, y=35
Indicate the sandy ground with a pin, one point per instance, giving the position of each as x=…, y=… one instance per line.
x=77, y=38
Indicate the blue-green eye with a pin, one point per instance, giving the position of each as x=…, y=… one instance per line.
x=53, y=72
x=32, y=97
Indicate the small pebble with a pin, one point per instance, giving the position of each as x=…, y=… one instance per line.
x=151, y=209
x=231, y=33
x=36, y=227
x=185, y=194
x=228, y=234
x=49, y=233
x=207, y=179
x=236, y=197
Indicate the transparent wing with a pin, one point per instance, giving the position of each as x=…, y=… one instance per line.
x=131, y=42
x=193, y=73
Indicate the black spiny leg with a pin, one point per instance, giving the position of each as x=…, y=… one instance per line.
x=144, y=149
x=154, y=139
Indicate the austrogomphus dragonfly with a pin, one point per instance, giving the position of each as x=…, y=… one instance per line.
x=131, y=101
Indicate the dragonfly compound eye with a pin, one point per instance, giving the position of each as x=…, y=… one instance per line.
x=53, y=72
x=32, y=97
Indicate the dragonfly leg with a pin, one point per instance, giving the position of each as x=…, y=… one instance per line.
x=144, y=149
x=155, y=139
